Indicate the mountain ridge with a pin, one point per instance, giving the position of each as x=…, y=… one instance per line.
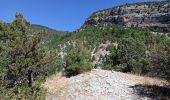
x=36, y=27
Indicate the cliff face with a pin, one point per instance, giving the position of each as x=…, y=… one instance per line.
x=142, y=15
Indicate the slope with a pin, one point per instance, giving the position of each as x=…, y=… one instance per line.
x=52, y=37
x=118, y=39
x=35, y=27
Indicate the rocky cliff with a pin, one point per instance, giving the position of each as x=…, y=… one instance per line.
x=153, y=15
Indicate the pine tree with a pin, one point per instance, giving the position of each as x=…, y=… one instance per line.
x=23, y=56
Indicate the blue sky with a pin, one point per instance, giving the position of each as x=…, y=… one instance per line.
x=66, y=15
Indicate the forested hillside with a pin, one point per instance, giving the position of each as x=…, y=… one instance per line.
x=35, y=28
x=127, y=50
x=52, y=35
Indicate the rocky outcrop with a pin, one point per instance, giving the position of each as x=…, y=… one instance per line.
x=100, y=52
x=144, y=15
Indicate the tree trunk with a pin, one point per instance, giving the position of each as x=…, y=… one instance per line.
x=30, y=78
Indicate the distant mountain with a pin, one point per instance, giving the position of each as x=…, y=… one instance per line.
x=35, y=27
x=152, y=15
x=53, y=36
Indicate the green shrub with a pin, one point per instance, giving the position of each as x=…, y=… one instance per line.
x=78, y=68
x=77, y=59
x=22, y=93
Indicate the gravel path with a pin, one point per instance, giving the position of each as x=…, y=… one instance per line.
x=97, y=85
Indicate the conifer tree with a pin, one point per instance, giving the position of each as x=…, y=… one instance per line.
x=23, y=56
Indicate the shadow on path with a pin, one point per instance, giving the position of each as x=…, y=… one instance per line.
x=152, y=91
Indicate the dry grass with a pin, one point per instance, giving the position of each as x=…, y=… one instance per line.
x=149, y=80
x=55, y=83
x=153, y=81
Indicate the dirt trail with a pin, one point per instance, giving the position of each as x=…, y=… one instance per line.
x=101, y=85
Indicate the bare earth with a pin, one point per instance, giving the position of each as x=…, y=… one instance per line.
x=99, y=85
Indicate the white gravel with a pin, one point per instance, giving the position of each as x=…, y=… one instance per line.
x=98, y=85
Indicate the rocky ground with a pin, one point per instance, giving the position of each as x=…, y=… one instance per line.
x=101, y=85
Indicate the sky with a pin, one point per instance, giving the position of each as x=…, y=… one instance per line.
x=67, y=15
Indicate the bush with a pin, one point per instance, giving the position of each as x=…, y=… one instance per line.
x=22, y=93
x=136, y=50
x=78, y=68
x=77, y=59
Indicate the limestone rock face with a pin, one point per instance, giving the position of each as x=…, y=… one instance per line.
x=142, y=15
